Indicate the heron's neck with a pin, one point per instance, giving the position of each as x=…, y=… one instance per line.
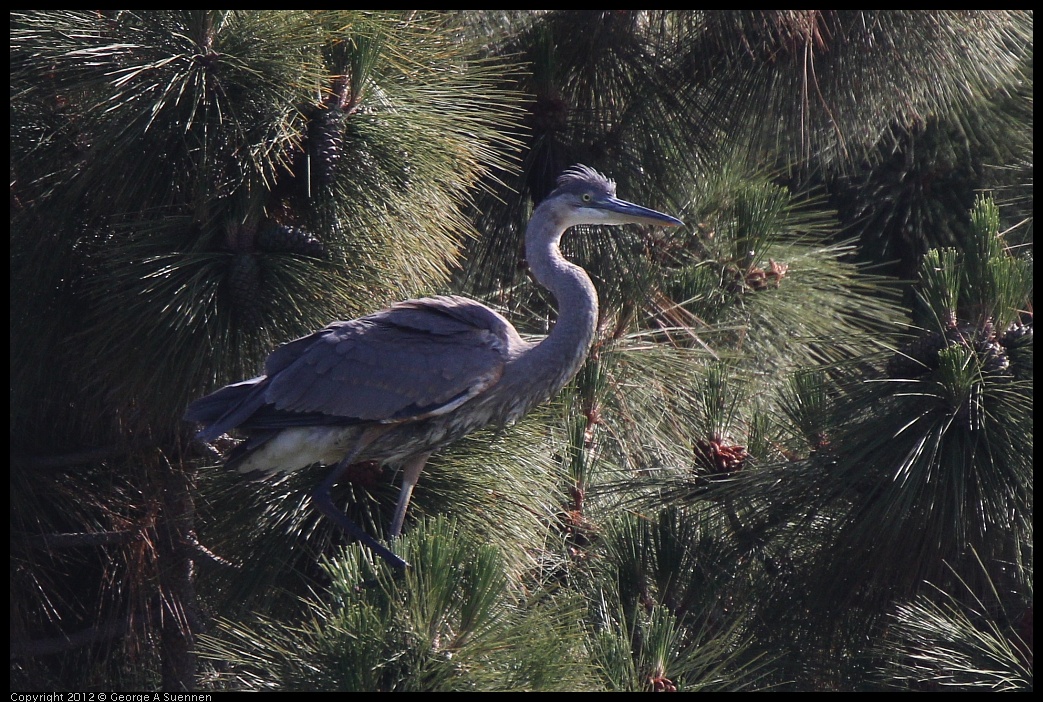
x=560, y=355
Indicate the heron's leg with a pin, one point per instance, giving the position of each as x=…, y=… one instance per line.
x=323, y=500
x=410, y=474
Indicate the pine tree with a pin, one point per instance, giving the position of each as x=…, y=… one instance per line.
x=779, y=468
x=184, y=200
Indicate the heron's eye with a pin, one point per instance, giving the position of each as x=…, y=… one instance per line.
x=587, y=197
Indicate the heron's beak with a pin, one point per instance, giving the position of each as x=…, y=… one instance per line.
x=636, y=214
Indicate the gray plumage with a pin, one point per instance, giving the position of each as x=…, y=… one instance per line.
x=399, y=384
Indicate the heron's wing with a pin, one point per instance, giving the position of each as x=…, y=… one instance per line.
x=415, y=359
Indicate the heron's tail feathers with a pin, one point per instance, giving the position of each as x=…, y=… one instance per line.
x=224, y=410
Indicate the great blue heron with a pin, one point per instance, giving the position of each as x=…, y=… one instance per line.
x=397, y=385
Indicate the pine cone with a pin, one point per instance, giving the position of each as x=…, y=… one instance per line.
x=244, y=282
x=580, y=529
x=661, y=683
x=921, y=355
x=326, y=143
x=720, y=458
x=918, y=357
x=992, y=356
x=549, y=114
x=776, y=271
x=982, y=340
x=1017, y=334
x=733, y=279
x=279, y=238
x=754, y=278
x=757, y=279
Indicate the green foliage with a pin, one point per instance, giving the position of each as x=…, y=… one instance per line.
x=663, y=619
x=951, y=652
x=451, y=622
x=961, y=641
x=908, y=475
x=839, y=83
x=979, y=283
x=758, y=260
x=658, y=654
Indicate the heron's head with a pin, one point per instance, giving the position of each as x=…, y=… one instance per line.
x=584, y=196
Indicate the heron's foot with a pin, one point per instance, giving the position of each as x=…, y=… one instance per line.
x=324, y=503
x=394, y=561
